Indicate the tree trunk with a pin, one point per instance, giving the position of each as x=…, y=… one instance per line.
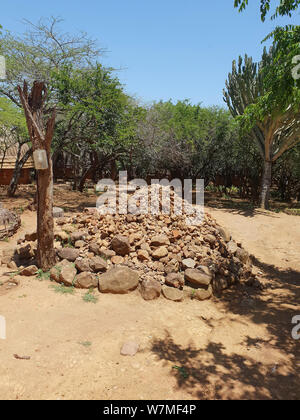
x=266, y=185
x=113, y=169
x=83, y=178
x=45, y=223
x=41, y=137
x=17, y=172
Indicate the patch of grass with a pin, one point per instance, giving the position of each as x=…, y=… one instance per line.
x=89, y=297
x=14, y=273
x=62, y=289
x=41, y=275
x=292, y=212
x=58, y=268
x=182, y=371
x=68, y=244
x=5, y=240
x=85, y=343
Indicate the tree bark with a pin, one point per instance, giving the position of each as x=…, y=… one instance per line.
x=41, y=138
x=266, y=185
x=45, y=224
x=83, y=178
x=17, y=172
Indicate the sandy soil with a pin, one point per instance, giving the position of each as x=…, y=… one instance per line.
x=237, y=346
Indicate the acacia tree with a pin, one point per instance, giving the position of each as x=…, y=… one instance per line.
x=34, y=55
x=41, y=135
x=13, y=131
x=266, y=98
x=96, y=119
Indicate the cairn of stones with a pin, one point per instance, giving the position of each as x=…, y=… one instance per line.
x=159, y=255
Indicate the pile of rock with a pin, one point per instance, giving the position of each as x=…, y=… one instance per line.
x=9, y=223
x=159, y=255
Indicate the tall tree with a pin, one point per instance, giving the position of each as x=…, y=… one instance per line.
x=265, y=97
x=42, y=48
x=34, y=55
x=96, y=118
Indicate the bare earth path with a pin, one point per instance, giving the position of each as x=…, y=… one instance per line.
x=239, y=346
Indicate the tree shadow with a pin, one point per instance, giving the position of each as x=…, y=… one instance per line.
x=280, y=278
x=239, y=206
x=217, y=372
x=212, y=373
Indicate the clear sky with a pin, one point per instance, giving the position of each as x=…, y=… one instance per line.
x=167, y=49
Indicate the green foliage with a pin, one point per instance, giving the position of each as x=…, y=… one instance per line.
x=89, y=297
x=11, y=116
x=63, y=289
x=42, y=48
x=181, y=138
x=41, y=275
x=284, y=8
x=12, y=125
x=182, y=371
x=97, y=122
x=265, y=96
x=85, y=343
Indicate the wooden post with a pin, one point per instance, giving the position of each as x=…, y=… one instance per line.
x=41, y=135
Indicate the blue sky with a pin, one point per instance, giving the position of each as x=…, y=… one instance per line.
x=167, y=49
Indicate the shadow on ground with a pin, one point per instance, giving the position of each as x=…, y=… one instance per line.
x=211, y=373
x=215, y=373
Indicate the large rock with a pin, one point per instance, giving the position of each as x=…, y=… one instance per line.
x=150, y=289
x=86, y=280
x=160, y=240
x=188, y=263
x=160, y=252
x=82, y=264
x=121, y=245
x=199, y=277
x=224, y=234
x=242, y=255
x=56, y=270
x=78, y=236
x=58, y=212
x=69, y=254
x=119, y=280
x=232, y=247
x=98, y=264
x=94, y=248
x=203, y=294
x=29, y=271
x=106, y=253
x=173, y=294
x=143, y=255
x=67, y=275
x=200, y=294
x=175, y=280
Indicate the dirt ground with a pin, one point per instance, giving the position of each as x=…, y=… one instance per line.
x=236, y=346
